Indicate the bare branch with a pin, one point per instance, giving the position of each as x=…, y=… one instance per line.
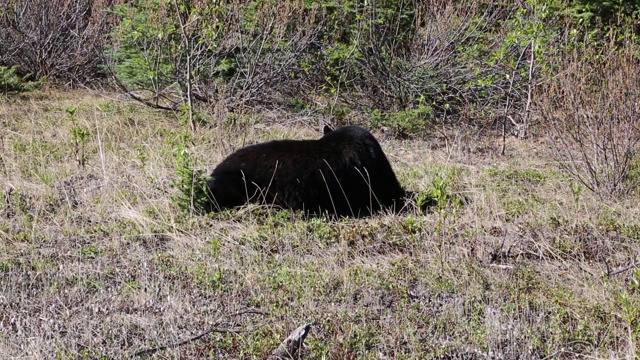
x=214, y=329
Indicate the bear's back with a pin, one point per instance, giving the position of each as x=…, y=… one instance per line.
x=345, y=172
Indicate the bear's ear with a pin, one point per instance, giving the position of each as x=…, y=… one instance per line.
x=327, y=129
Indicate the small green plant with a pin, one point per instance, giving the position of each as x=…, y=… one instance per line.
x=191, y=184
x=190, y=116
x=207, y=279
x=446, y=207
x=12, y=82
x=141, y=155
x=635, y=282
x=411, y=225
x=440, y=193
x=633, y=176
x=404, y=123
x=215, y=247
x=90, y=252
x=80, y=137
x=576, y=191
x=630, y=310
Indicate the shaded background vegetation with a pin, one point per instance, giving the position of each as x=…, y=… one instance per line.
x=386, y=57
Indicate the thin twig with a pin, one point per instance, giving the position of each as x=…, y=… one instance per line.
x=620, y=271
x=188, y=53
x=508, y=104
x=555, y=354
x=527, y=109
x=180, y=343
x=139, y=99
x=214, y=329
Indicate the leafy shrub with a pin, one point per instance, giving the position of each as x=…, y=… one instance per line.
x=633, y=176
x=404, y=123
x=243, y=54
x=10, y=81
x=192, y=195
x=454, y=60
x=606, y=15
x=411, y=61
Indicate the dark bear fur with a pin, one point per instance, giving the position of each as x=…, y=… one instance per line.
x=345, y=173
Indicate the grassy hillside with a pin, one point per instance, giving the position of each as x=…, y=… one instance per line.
x=97, y=262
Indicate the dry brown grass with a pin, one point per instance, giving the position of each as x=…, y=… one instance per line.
x=592, y=107
x=96, y=262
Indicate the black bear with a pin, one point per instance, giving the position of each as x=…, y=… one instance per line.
x=344, y=173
